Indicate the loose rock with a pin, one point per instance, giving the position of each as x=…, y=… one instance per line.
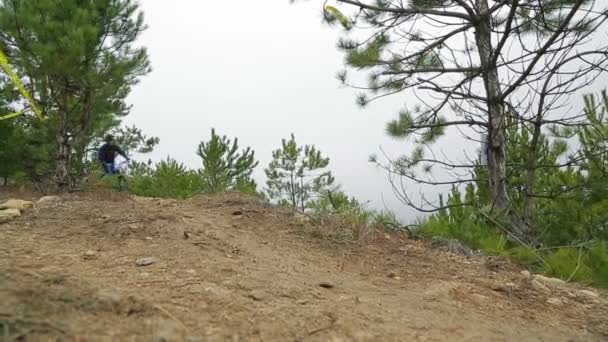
x=479, y=298
x=326, y=285
x=555, y=301
x=589, y=294
x=537, y=285
x=8, y=215
x=506, y=287
x=90, y=254
x=526, y=273
x=301, y=218
x=134, y=226
x=256, y=295
x=146, y=261
x=20, y=205
x=549, y=281
x=48, y=202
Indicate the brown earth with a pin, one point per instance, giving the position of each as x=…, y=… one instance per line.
x=233, y=269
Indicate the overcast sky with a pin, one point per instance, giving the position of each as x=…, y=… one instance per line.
x=260, y=70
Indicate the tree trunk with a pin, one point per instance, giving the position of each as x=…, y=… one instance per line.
x=63, y=160
x=531, y=174
x=497, y=139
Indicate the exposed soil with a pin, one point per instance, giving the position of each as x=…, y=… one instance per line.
x=234, y=269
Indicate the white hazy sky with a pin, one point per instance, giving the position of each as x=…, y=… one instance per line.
x=260, y=70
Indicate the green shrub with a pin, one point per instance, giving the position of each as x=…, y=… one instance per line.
x=523, y=255
x=495, y=245
x=598, y=263
x=168, y=179
x=569, y=264
x=386, y=220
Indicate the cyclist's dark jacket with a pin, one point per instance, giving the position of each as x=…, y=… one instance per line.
x=107, y=153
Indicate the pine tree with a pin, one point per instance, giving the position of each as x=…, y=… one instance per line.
x=225, y=168
x=470, y=66
x=296, y=174
x=80, y=59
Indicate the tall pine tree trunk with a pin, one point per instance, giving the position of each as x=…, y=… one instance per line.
x=531, y=173
x=62, y=166
x=497, y=138
x=63, y=160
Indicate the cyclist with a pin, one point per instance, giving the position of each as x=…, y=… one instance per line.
x=107, y=154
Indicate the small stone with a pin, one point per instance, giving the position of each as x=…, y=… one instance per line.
x=326, y=285
x=48, y=202
x=134, y=226
x=301, y=218
x=146, y=261
x=144, y=274
x=549, y=281
x=526, y=273
x=191, y=272
x=506, y=287
x=149, y=238
x=479, y=298
x=256, y=295
x=90, y=254
x=555, y=301
x=17, y=204
x=537, y=285
x=8, y=215
x=588, y=294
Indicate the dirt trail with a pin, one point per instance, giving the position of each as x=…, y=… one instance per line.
x=232, y=269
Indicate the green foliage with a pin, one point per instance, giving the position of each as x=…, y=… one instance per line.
x=167, y=179
x=81, y=61
x=332, y=14
x=337, y=202
x=597, y=261
x=296, y=174
x=12, y=149
x=585, y=264
x=368, y=55
x=132, y=139
x=523, y=255
x=224, y=167
x=568, y=264
x=570, y=209
x=386, y=220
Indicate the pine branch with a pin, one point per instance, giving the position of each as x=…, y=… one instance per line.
x=408, y=11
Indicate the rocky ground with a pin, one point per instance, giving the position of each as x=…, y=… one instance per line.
x=108, y=267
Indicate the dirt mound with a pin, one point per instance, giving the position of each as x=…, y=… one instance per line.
x=233, y=268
